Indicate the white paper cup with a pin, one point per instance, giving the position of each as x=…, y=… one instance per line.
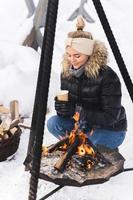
x=62, y=95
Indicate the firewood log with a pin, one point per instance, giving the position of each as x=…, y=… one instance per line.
x=13, y=130
x=5, y=136
x=62, y=162
x=4, y=110
x=4, y=127
x=82, y=160
x=24, y=126
x=14, y=123
x=99, y=156
x=14, y=109
x=52, y=147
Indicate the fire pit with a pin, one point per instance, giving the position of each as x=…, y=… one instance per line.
x=75, y=161
x=75, y=175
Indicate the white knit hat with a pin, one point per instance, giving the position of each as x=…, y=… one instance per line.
x=82, y=45
x=80, y=40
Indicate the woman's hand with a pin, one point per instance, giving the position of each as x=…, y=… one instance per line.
x=64, y=108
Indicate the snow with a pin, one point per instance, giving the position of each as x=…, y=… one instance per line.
x=18, y=76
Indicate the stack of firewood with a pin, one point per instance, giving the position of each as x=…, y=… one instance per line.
x=10, y=119
x=8, y=129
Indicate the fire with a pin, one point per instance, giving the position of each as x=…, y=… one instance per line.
x=90, y=164
x=83, y=137
x=76, y=116
x=64, y=147
x=44, y=151
x=72, y=137
x=76, y=142
x=85, y=149
x=89, y=150
x=81, y=150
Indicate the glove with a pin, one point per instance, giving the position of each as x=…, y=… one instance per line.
x=64, y=108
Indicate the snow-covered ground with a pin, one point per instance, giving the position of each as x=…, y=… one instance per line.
x=18, y=74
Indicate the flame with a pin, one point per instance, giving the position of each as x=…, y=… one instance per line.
x=72, y=137
x=89, y=164
x=85, y=149
x=89, y=150
x=81, y=150
x=64, y=147
x=44, y=151
x=76, y=116
x=83, y=137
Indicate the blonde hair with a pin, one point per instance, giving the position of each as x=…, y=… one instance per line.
x=97, y=60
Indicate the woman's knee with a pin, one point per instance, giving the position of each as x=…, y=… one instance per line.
x=55, y=125
x=51, y=123
x=58, y=125
x=111, y=139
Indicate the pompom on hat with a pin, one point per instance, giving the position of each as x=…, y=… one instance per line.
x=80, y=40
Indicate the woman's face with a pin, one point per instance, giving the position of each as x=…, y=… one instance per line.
x=75, y=58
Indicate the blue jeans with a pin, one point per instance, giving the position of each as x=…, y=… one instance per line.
x=111, y=139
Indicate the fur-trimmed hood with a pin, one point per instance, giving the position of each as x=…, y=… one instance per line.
x=97, y=60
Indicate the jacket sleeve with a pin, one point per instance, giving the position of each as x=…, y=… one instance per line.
x=110, y=102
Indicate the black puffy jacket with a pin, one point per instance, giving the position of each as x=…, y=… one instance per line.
x=100, y=98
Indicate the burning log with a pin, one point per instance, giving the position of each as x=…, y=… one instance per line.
x=88, y=161
x=83, y=161
x=61, y=164
x=101, y=159
x=99, y=156
x=51, y=148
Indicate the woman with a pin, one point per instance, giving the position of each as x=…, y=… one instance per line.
x=94, y=87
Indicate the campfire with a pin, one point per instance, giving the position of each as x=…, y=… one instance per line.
x=75, y=160
x=77, y=147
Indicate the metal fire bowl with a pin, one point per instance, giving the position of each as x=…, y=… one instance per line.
x=77, y=176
